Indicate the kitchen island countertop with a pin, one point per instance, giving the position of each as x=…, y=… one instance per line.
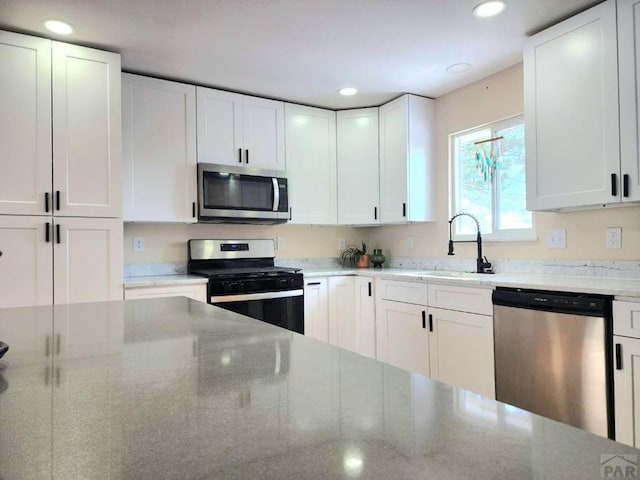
x=176, y=389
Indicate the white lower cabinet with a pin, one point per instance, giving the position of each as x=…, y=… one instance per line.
x=342, y=320
x=365, y=315
x=316, y=309
x=86, y=253
x=195, y=292
x=402, y=339
x=626, y=373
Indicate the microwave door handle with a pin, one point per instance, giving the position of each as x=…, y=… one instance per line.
x=276, y=194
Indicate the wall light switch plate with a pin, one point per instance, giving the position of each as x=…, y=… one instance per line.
x=557, y=238
x=138, y=244
x=281, y=243
x=342, y=244
x=410, y=242
x=614, y=237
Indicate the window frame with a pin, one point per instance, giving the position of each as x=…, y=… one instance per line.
x=497, y=235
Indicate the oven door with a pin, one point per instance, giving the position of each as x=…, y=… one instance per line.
x=284, y=309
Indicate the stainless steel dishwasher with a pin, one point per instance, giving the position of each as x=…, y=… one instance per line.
x=553, y=356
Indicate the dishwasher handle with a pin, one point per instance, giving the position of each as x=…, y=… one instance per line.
x=550, y=301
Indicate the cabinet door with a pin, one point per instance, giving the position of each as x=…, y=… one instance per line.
x=311, y=165
x=88, y=260
x=402, y=338
x=629, y=84
x=219, y=127
x=358, y=171
x=316, y=309
x=25, y=117
x=86, y=132
x=627, y=391
x=571, y=111
x=461, y=350
x=365, y=317
x=26, y=261
x=263, y=126
x=159, y=150
x=393, y=160
x=342, y=321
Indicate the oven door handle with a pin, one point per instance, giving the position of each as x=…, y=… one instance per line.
x=276, y=194
x=256, y=296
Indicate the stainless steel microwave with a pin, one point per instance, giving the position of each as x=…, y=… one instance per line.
x=228, y=194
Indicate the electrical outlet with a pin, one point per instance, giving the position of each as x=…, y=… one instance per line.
x=138, y=244
x=557, y=238
x=281, y=243
x=342, y=244
x=614, y=237
x=410, y=242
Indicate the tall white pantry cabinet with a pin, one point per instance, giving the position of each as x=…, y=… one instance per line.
x=60, y=200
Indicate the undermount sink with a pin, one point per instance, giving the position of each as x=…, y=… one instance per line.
x=444, y=274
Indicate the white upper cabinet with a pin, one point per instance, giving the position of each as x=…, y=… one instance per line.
x=629, y=83
x=571, y=112
x=158, y=150
x=407, y=131
x=240, y=130
x=86, y=131
x=25, y=116
x=311, y=164
x=358, y=169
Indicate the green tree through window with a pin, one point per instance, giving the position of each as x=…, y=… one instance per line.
x=488, y=180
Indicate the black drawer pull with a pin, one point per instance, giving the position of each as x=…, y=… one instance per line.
x=46, y=232
x=46, y=202
x=614, y=185
x=57, y=199
x=58, y=233
x=313, y=283
x=618, y=356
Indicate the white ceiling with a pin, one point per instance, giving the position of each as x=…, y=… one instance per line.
x=301, y=50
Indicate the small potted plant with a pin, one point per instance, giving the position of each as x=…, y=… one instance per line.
x=355, y=256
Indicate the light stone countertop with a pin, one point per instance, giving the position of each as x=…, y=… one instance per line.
x=619, y=287
x=172, y=388
x=163, y=280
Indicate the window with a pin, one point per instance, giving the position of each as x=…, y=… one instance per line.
x=488, y=181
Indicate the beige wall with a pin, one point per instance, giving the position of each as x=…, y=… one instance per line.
x=494, y=98
x=488, y=100
x=167, y=242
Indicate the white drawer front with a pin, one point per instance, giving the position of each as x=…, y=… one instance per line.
x=626, y=319
x=462, y=299
x=406, y=292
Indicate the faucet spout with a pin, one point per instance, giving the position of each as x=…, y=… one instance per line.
x=482, y=264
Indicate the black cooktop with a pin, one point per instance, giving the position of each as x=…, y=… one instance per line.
x=244, y=272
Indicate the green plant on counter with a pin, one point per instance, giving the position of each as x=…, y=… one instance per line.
x=352, y=254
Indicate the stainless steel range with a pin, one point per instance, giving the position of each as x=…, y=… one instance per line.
x=243, y=278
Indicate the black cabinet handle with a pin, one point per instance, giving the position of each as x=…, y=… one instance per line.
x=313, y=283
x=57, y=199
x=369, y=288
x=430, y=322
x=246, y=156
x=618, y=356
x=46, y=202
x=58, y=233
x=404, y=209
x=193, y=209
x=625, y=185
x=614, y=185
x=424, y=319
x=46, y=232
x=239, y=155
x=290, y=213
x=375, y=213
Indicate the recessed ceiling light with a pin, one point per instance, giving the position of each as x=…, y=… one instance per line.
x=347, y=91
x=489, y=9
x=458, y=67
x=58, y=27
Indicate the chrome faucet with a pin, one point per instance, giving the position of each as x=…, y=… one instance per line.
x=482, y=264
